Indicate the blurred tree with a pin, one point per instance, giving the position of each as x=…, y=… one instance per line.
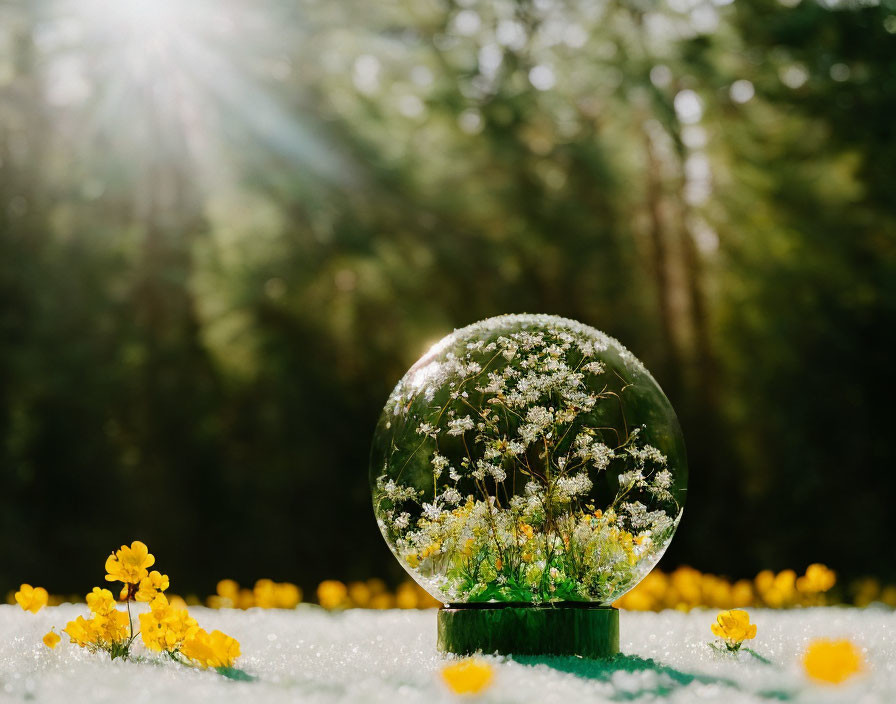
x=226, y=229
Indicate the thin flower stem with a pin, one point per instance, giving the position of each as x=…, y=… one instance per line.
x=760, y=658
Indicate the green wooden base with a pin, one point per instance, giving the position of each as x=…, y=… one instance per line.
x=558, y=629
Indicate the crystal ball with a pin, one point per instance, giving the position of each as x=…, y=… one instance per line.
x=528, y=459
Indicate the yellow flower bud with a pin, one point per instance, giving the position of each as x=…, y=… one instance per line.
x=832, y=661
x=734, y=628
x=31, y=599
x=469, y=676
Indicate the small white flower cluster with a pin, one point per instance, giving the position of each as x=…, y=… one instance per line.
x=593, y=451
x=439, y=463
x=488, y=469
x=639, y=517
x=427, y=430
x=538, y=420
x=594, y=367
x=569, y=488
x=660, y=485
x=511, y=429
x=458, y=426
x=394, y=492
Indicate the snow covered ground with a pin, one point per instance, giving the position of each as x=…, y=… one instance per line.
x=310, y=655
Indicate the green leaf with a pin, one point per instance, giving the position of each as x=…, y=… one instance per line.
x=233, y=673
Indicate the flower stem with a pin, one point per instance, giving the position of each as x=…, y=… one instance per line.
x=760, y=658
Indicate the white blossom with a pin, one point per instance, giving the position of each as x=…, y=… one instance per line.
x=458, y=426
x=631, y=478
x=393, y=491
x=427, y=429
x=595, y=452
x=594, y=367
x=432, y=511
x=568, y=488
x=451, y=496
x=662, y=479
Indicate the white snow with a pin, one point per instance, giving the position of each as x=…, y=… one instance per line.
x=361, y=656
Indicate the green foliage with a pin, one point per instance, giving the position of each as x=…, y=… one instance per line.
x=211, y=274
x=233, y=673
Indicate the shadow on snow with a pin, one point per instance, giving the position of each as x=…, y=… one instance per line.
x=667, y=681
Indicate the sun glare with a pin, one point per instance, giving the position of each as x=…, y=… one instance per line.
x=142, y=35
x=144, y=14
x=181, y=82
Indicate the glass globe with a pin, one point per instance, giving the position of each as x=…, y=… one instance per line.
x=528, y=458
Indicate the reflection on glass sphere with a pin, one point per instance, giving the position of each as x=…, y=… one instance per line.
x=528, y=458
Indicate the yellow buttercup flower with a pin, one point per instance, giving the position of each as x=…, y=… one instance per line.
x=153, y=631
x=166, y=627
x=113, y=627
x=151, y=585
x=734, y=628
x=245, y=599
x=100, y=601
x=265, y=594
x=331, y=594
x=31, y=599
x=276, y=595
x=51, y=640
x=81, y=631
x=469, y=676
x=818, y=578
x=105, y=627
x=226, y=595
x=129, y=564
x=287, y=595
x=228, y=589
x=406, y=596
x=359, y=594
x=777, y=590
x=430, y=550
x=832, y=661
x=179, y=602
x=215, y=649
